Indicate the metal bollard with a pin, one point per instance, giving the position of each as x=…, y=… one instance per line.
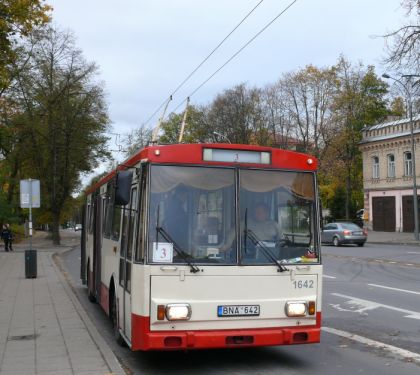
x=30, y=264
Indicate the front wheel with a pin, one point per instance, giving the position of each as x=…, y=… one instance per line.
x=336, y=242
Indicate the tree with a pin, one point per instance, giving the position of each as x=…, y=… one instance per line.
x=278, y=119
x=237, y=114
x=17, y=19
x=359, y=101
x=196, y=129
x=404, y=43
x=397, y=107
x=60, y=120
x=309, y=94
x=137, y=139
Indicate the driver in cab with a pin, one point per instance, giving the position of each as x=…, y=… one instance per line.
x=262, y=226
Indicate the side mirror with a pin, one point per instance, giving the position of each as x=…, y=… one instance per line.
x=123, y=187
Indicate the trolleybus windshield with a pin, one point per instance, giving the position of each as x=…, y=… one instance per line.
x=197, y=209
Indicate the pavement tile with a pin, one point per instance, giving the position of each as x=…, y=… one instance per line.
x=52, y=365
x=10, y=367
x=18, y=372
x=43, y=307
x=58, y=372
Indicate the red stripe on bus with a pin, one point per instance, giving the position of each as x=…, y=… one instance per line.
x=105, y=298
x=144, y=339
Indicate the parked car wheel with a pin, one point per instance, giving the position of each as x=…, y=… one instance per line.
x=361, y=244
x=336, y=241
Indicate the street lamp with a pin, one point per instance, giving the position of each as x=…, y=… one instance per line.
x=413, y=157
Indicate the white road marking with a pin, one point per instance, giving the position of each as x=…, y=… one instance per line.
x=329, y=277
x=415, y=357
x=409, y=264
x=396, y=289
x=392, y=262
x=412, y=252
x=366, y=305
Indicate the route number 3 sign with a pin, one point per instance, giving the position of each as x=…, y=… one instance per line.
x=163, y=252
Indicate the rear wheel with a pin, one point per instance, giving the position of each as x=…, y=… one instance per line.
x=336, y=242
x=114, y=319
x=361, y=244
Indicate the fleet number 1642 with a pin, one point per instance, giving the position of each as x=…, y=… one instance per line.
x=303, y=284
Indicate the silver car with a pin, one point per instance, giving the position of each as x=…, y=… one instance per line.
x=343, y=233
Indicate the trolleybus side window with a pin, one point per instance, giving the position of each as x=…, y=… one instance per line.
x=139, y=248
x=128, y=235
x=91, y=215
x=108, y=210
x=116, y=222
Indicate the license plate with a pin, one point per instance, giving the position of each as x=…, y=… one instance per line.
x=238, y=310
x=358, y=233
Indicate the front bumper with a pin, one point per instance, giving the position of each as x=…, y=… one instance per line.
x=144, y=339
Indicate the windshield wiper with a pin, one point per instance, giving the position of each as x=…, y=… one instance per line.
x=265, y=250
x=178, y=250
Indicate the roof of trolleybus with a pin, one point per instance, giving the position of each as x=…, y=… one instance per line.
x=196, y=154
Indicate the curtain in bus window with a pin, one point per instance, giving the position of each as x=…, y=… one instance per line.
x=169, y=178
x=299, y=183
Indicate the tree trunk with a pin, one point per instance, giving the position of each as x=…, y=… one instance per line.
x=12, y=179
x=56, y=228
x=348, y=192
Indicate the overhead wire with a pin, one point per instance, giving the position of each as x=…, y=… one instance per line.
x=237, y=53
x=202, y=62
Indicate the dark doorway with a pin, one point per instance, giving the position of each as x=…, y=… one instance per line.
x=383, y=211
x=408, y=213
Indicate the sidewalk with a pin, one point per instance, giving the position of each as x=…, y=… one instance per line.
x=397, y=238
x=43, y=328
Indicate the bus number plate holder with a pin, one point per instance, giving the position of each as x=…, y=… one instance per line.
x=238, y=310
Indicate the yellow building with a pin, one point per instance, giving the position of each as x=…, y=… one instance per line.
x=387, y=174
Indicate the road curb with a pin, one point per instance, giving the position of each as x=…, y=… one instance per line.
x=108, y=355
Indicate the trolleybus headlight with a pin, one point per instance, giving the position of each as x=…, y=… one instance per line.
x=296, y=308
x=178, y=311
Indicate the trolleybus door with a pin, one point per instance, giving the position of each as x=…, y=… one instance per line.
x=128, y=243
x=83, y=275
x=97, y=244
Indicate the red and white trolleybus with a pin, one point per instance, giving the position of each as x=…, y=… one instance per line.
x=194, y=246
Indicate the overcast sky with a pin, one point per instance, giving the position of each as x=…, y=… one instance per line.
x=146, y=48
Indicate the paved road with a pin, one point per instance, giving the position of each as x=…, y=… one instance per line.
x=350, y=305
x=375, y=292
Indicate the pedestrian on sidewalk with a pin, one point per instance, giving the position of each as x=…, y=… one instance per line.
x=7, y=236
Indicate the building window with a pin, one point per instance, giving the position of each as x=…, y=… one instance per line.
x=408, y=164
x=375, y=167
x=391, y=166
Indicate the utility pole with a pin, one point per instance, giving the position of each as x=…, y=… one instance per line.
x=407, y=86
